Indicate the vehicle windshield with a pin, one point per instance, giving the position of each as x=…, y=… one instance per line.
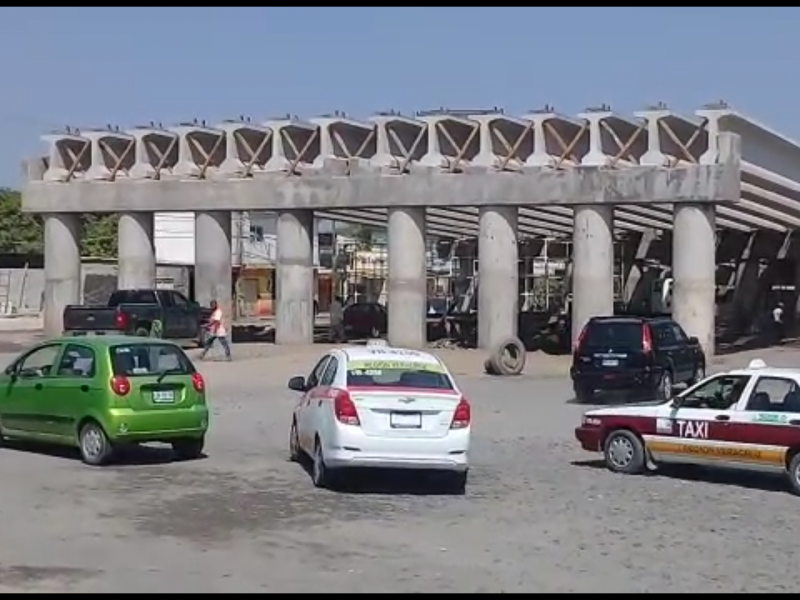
x=614, y=335
x=392, y=374
x=138, y=359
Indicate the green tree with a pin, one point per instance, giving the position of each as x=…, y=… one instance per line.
x=20, y=233
x=99, y=239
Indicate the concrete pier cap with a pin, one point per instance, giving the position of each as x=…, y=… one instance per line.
x=400, y=142
x=69, y=156
x=504, y=142
x=557, y=141
x=112, y=153
x=672, y=139
x=344, y=139
x=453, y=138
x=614, y=141
x=155, y=151
x=201, y=150
x=295, y=144
x=248, y=148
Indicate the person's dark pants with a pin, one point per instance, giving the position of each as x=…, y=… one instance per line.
x=337, y=333
x=223, y=340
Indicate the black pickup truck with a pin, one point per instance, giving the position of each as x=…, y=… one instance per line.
x=146, y=312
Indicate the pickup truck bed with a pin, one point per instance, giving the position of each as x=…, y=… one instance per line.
x=155, y=313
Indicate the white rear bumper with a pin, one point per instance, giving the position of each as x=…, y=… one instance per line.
x=352, y=448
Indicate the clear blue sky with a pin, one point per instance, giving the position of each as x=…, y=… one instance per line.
x=92, y=66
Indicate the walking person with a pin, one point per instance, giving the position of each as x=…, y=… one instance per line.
x=777, y=323
x=337, y=321
x=215, y=331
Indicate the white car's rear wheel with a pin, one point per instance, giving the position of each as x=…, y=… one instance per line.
x=320, y=476
x=295, y=452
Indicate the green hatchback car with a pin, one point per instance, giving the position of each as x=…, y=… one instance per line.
x=97, y=393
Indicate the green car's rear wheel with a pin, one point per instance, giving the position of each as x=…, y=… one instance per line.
x=188, y=449
x=95, y=447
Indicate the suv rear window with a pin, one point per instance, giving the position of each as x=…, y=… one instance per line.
x=387, y=374
x=613, y=335
x=133, y=360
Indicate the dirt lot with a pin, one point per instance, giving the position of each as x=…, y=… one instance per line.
x=538, y=516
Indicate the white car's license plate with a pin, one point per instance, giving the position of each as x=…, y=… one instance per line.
x=164, y=397
x=405, y=420
x=611, y=362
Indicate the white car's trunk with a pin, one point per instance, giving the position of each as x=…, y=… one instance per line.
x=397, y=414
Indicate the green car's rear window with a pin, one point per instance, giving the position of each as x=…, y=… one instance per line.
x=133, y=360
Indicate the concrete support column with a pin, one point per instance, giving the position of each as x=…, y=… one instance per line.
x=407, y=285
x=694, y=271
x=136, y=252
x=213, y=271
x=294, y=310
x=62, y=268
x=498, y=275
x=593, y=264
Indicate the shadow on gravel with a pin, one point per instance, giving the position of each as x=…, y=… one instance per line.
x=751, y=480
x=400, y=482
x=126, y=456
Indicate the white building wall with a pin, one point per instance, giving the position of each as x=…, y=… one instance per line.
x=254, y=239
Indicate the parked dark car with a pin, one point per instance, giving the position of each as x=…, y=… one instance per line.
x=643, y=355
x=144, y=312
x=364, y=319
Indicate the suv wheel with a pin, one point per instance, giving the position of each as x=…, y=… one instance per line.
x=584, y=394
x=699, y=374
x=664, y=391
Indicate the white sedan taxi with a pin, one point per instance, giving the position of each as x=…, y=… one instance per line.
x=382, y=407
x=745, y=419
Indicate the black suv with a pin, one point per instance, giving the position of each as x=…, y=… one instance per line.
x=643, y=355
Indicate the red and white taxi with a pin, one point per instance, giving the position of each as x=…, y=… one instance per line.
x=376, y=406
x=747, y=418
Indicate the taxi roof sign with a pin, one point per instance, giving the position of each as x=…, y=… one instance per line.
x=757, y=363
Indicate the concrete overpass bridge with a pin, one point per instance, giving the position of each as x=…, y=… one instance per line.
x=589, y=179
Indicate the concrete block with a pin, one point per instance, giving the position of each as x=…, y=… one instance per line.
x=69, y=156
x=504, y=143
x=672, y=139
x=400, y=142
x=155, y=152
x=112, y=154
x=614, y=141
x=295, y=145
x=453, y=141
x=558, y=141
x=201, y=150
x=248, y=148
x=344, y=139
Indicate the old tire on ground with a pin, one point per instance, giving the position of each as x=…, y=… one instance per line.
x=141, y=332
x=508, y=358
x=488, y=367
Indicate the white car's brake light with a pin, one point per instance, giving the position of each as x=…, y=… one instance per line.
x=462, y=416
x=345, y=409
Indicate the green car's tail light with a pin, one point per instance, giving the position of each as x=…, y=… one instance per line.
x=120, y=385
x=198, y=382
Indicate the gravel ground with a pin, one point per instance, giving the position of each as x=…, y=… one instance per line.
x=539, y=516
